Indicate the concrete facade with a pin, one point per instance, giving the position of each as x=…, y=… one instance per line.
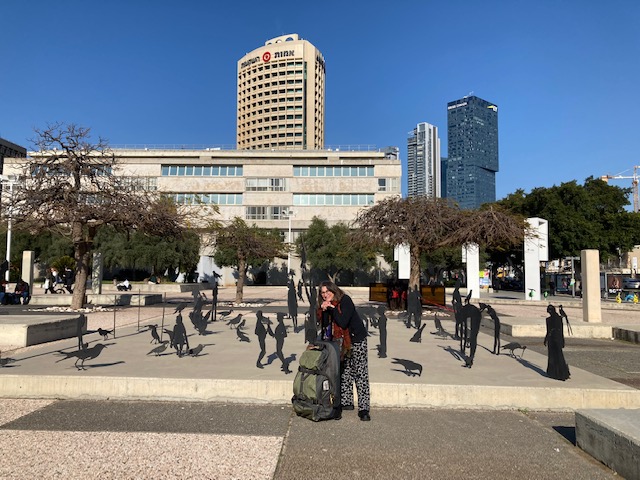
x=281, y=92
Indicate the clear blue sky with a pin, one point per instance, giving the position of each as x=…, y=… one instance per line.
x=564, y=73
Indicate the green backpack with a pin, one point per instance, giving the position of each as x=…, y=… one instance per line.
x=316, y=387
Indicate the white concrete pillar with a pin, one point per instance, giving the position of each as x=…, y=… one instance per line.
x=536, y=250
x=28, y=258
x=96, y=273
x=591, y=308
x=471, y=255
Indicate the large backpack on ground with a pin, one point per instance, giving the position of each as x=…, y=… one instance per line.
x=316, y=388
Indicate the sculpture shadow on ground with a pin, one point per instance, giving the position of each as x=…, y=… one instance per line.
x=532, y=366
x=411, y=368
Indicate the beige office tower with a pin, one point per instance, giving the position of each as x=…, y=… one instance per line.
x=281, y=96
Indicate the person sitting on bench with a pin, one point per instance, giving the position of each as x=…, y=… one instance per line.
x=124, y=286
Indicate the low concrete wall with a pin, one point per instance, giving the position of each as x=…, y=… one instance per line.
x=612, y=437
x=117, y=298
x=632, y=336
x=25, y=330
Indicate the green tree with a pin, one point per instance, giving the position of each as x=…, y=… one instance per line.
x=139, y=250
x=589, y=216
x=241, y=246
x=427, y=224
x=331, y=249
x=71, y=186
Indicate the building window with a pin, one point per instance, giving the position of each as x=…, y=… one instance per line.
x=345, y=199
x=331, y=171
x=149, y=184
x=266, y=184
x=276, y=212
x=206, y=198
x=202, y=171
x=388, y=184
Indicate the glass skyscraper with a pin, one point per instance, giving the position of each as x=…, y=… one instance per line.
x=472, y=162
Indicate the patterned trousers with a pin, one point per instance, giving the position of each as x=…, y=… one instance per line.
x=356, y=369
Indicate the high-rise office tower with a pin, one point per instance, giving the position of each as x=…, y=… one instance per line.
x=472, y=160
x=281, y=96
x=423, y=161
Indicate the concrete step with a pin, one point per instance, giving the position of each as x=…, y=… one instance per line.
x=25, y=330
x=611, y=437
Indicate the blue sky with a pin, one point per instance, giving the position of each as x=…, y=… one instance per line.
x=160, y=72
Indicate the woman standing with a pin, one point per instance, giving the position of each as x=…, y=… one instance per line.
x=337, y=308
x=554, y=340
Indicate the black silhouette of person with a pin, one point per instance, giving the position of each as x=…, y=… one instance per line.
x=180, y=340
x=82, y=321
x=300, y=290
x=470, y=312
x=262, y=332
x=280, y=334
x=496, y=328
x=292, y=304
x=414, y=307
x=310, y=321
x=382, y=328
x=456, y=303
x=554, y=341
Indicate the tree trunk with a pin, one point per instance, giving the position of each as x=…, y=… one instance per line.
x=414, y=273
x=81, y=255
x=242, y=275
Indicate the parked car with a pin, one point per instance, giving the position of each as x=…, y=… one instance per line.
x=630, y=283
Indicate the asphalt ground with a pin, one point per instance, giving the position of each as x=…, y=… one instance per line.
x=126, y=440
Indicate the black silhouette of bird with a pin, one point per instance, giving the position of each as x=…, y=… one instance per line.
x=564, y=315
x=241, y=324
x=514, y=346
x=180, y=307
x=154, y=334
x=439, y=328
x=235, y=320
x=224, y=314
x=411, y=368
x=170, y=333
x=82, y=355
x=242, y=336
x=6, y=360
x=160, y=348
x=417, y=337
x=105, y=333
x=194, y=352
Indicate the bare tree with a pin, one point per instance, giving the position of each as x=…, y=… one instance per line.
x=426, y=224
x=71, y=186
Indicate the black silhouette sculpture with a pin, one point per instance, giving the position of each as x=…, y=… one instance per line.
x=194, y=352
x=311, y=291
x=514, y=346
x=261, y=331
x=280, y=334
x=180, y=307
x=105, y=333
x=241, y=325
x=170, y=334
x=382, y=329
x=234, y=321
x=417, y=337
x=242, y=336
x=82, y=321
x=160, y=348
x=440, y=331
x=554, y=341
x=299, y=292
x=456, y=304
x=564, y=315
x=82, y=354
x=414, y=307
x=292, y=304
x=496, y=327
x=180, y=340
x=225, y=313
x=155, y=338
x=470, y=313
x=411, y=368
x=214, y=297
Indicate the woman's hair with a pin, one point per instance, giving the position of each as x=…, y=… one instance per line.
x=332, y=287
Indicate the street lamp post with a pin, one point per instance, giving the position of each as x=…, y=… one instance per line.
x=289, y=215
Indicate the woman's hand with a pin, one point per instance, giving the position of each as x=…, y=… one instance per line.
x=326, y=304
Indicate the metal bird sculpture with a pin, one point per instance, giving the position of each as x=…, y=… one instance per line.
x=82, y=355
x=514, y=346
x=105, y=333
x=411, y=368
x=417, y=337
x=564, y=315
x=224, y=314
x=155, y=338
x=242, y=336
x=160, y=348
x=194, y=352
x=234, y=321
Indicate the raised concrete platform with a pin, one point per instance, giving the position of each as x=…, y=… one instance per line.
x=535, y=327
x=25, y=330
x=612, y=437
x=426, y=374
x=628, y=333
x=115, y=298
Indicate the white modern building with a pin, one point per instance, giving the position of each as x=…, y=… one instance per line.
x=272, y=189
x=423, y=162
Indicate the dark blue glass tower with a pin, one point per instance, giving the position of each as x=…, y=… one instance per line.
x=472, y=160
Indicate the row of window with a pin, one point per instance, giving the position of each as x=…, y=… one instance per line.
x=202, y=170
x=332, y=171
x=206, y=198
x=340, y=199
